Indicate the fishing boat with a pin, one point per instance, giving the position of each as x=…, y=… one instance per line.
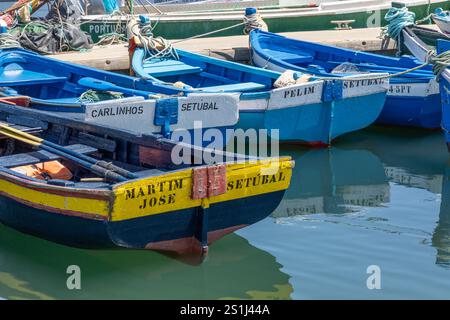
x=420, y=41
x=442, y=19
x=412, y=100
x=304, y=109
x=112, y=99
x=443, y=46
x=92, y=186
x=280, y=16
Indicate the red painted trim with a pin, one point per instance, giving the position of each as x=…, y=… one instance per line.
x=190, y=245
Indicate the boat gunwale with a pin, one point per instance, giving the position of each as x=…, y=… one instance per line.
x=238, y=17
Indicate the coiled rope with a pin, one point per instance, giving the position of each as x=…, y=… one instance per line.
x=154, y=47
x=254, y=21
x=8, y=40
x=398, y=19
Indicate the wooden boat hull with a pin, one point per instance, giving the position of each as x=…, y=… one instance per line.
x=409, y=102
x=148, y=232
x=443, y=23
x=420, y=41
x=365, y=13
x=167, y=220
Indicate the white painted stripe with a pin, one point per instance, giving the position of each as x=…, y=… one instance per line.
x=364, y=85
x=212, y=109
x=253, y=105
x=414, y=89
x=352, y=88
x=297, y=95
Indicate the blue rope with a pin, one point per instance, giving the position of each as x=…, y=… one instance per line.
x=398, y=19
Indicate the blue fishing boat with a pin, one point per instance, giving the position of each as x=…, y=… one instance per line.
x=412, y=100
x=443, y=46
x=112, y=99
x=302, y=109
x=93, y=186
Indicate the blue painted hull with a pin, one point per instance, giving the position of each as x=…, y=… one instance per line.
x=149, y=232
x=317, y=123
x=423, y=110
x=317, y=118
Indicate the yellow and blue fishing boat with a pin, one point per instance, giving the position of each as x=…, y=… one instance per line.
x=92, y=186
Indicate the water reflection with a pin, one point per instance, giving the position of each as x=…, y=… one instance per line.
x=32, y=268
x=359, y=172
x=333, y=181
x=414, y=158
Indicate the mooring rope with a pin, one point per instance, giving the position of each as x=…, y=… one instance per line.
x=398, y=19
x=254, y=21
x=440, y=62
x=154, y=47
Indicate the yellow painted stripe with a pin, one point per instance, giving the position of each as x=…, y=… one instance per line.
x=53, y=201
x=173, y=191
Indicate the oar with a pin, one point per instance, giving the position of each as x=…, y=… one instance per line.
x=108, y=86
x=91, y=167
x=103, y=164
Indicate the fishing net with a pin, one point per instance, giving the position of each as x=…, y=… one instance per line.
x=91, y=96
x=58, y=31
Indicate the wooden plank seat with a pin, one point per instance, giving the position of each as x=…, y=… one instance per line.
x=163, y=68
x=27, y=77
x=24, y=159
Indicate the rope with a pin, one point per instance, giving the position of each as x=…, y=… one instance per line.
x=440, y=62
x=398, y=19
x=7, y=41
x=154, y=47
x=427, y=18
x=211, y=32
x=254, y=21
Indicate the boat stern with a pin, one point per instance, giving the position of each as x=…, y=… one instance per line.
x=185, y=211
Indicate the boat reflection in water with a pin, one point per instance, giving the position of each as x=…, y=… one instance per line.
x=441, y=235
x=413, y=158
x=333, y=180
x=32, y=268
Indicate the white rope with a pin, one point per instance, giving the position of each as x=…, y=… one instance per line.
x=254, y=21
x=7, y=41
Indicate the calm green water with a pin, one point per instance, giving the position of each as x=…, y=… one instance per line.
x=379, y=197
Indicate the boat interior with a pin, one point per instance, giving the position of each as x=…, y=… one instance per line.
x=50, y=82
x=195, y=71
x=48, y=148
x=322, y=59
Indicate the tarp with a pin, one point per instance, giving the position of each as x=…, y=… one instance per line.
x=58, y=31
